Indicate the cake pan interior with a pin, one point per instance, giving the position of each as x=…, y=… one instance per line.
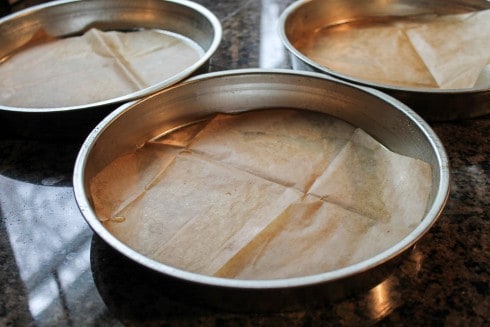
x=303, y=18
x=386, y=119
x=60, y=19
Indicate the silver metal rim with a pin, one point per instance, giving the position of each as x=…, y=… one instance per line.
x=217, y=29
x=282, y=34
x=406, y=243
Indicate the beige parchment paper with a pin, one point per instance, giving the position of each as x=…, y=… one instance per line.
x=263, y=195
x=94, y=67
x=446, y=52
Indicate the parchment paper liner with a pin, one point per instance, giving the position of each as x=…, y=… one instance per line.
x=213, y=211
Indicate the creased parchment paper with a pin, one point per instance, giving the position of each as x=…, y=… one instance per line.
x=262, y=195
x=446, y=52
x=93, y=67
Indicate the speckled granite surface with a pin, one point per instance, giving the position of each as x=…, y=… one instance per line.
x=54, y=272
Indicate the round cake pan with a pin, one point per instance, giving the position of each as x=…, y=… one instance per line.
x=74, y=17
x=302, y=18
x=383, y=117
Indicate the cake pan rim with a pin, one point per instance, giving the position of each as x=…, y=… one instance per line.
x=202, y=10
x=352, y=79
x=400, y=247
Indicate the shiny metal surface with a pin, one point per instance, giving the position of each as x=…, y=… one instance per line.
x=304, y=17
x=388, y=120
x=72, y=17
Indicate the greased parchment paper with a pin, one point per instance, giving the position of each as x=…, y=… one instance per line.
x=446, y=52
x=96, y=66
x=262, y=195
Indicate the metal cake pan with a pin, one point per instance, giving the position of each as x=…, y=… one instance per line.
x=399, y=128
x=74, y=17
x=305, y=17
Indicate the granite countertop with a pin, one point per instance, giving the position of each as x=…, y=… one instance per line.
x=55, y=272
